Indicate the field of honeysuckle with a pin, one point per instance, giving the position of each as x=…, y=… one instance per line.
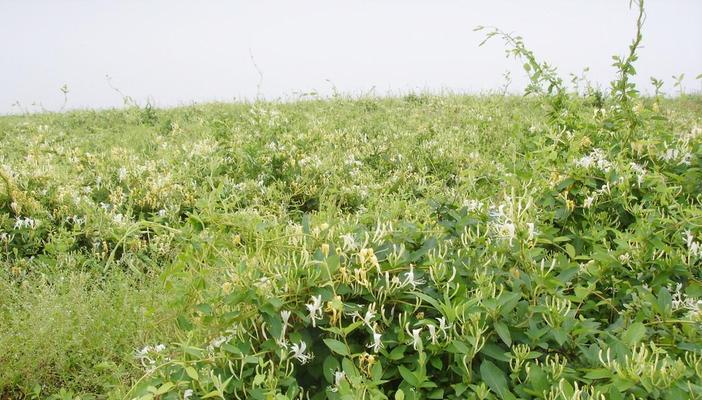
x=419, y=247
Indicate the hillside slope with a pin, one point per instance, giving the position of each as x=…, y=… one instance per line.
x=416, y=247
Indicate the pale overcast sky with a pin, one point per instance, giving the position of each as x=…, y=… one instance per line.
x=179, y=52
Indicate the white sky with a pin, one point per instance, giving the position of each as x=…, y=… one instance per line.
x=178, y=52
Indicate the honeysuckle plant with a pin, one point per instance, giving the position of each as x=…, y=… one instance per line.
x=562, y=291
x=424, y=247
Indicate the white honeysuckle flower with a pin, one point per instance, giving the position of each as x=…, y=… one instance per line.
x=432, y=333
x=349, y=242
x=625, y=258
x=285, y=315
x=283, y=343
x=187, y=394
x=218, y=342
x=298, y=352
x=694, y=248
x=472, y=205
x=674, y=154
x=443, y=327
x=588, y=201
x=377, y=342
x=507, y=230
x=25, y=223
x=670, y=154
x=395, y=281
x=411, y=280
x=680, y=301
x=532, y=230
x=689, y=238
x=585, y=162
x=686, y=159
x=416, y=340
x=497, y=213
x=143, y=352
x=370, y=315
x=121, y=174
x=640, y=172
x=315, y=309
x=606, y=188
x=596, y=158
x=339, y=377
x=676, y=295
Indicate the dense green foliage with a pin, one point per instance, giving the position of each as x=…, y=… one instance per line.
x=489, y=251
x=425, y=247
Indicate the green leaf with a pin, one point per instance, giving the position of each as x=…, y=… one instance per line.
x=459, y=388
x=538, y=379
x=352, y=327
x=507, y=302
x=193, y=351
x=192, y=373
x=560, y=335
x=456, y=346
x=434, y=303
x=348, y=368
x=495, y=378
x=258, y=379
x=377, y=371
x=230, y=348
x=494, y=351
x=329, y=366
x=164, y=388
x=408, y=376
x=399, y=395
x=211, y=394
x=251, y=360
x=398, y=353
x=665, y=301
x=600, y=373
x=634, y=334
x=503, y=331
x=204, y=309
x=337, y=347
x=436, y=394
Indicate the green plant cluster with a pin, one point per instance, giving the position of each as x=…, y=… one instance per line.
x=423, y=247
x=579, y=279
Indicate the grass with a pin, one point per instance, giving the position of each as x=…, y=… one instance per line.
x=75, y=331
x=122, y=229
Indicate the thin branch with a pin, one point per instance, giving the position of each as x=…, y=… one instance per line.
x=260, y=74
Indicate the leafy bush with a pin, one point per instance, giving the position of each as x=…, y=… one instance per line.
x=584, y=287
x=426, y=247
